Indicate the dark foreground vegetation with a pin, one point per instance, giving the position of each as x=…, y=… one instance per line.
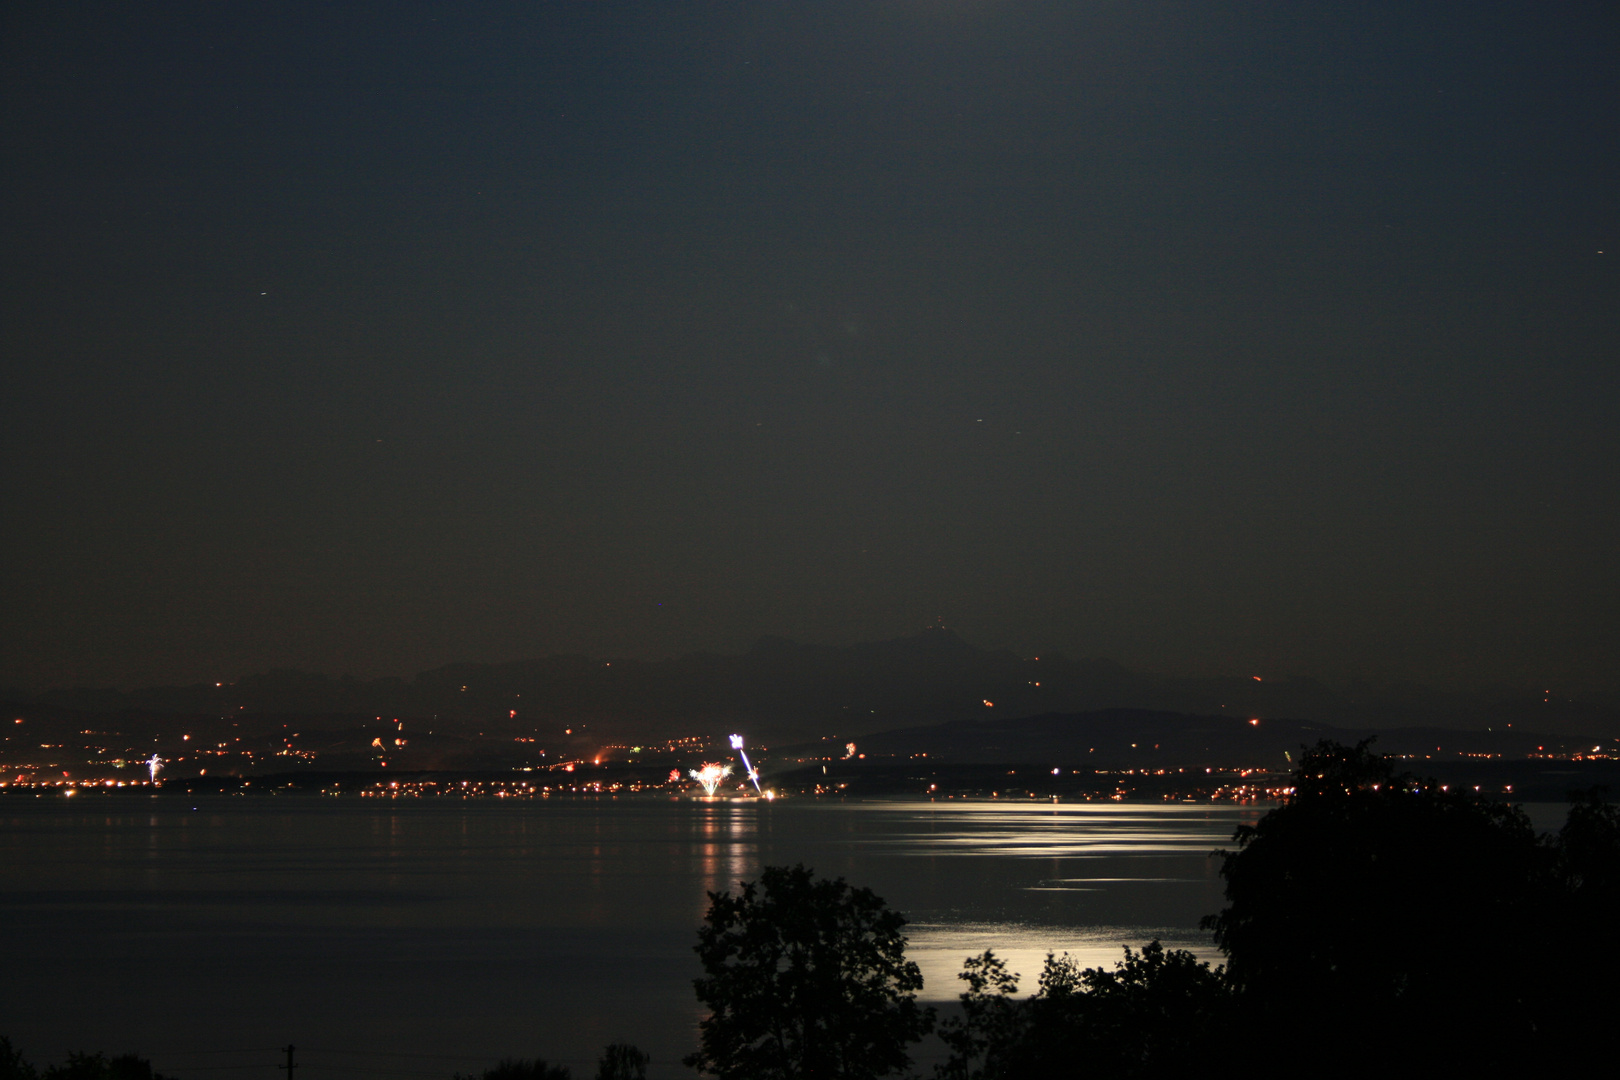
x=77, y=1067
x=619, y=1061
x=1377, y=923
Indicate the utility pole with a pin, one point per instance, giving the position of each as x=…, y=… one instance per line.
x=289, y=1066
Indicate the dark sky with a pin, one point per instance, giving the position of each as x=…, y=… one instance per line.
x=1203, y=336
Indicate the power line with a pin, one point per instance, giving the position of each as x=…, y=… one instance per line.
x=210, y=1068
x=249, y=1050
x=387, y=1070
x=393, y=1053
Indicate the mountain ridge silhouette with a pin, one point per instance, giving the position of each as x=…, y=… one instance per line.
x=783, y=689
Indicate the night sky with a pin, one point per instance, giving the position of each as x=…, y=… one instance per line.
x=1208, y=337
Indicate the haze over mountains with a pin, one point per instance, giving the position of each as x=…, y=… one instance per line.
x=783, y=690
x=1145, y=739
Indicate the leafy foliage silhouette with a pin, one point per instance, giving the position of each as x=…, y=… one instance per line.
x=1437, y=920
x=76, y=1067
x=97, y=1067
x=993, y=1024
x=12, y=1065
x=1156, y=1013
x=622, y=1061
x=805, y=978
x=1376, y=922
x=1580, y=950
x=522, y=1069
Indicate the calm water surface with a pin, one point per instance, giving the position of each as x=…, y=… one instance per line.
x=422, y=938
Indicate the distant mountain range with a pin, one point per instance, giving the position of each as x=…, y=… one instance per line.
x=784, y=691
x=1143, y=739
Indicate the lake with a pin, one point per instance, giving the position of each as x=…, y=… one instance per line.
x=418, y=938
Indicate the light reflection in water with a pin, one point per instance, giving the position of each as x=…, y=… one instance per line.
x=730, y=849
x=940, y=949
x=1083, y=879
x=1071, y=831
x=457, y=925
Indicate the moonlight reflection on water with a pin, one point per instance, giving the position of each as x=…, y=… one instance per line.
x=480, y=930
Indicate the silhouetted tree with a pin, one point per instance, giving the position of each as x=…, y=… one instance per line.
x=1582, y=948
x=99, y=1067
x=1589, y=852
x=1157, y=1013
x=622, y=1061
x=993, y=1024
x=1436, y=925
x=806, y=978
x=522, y=1069
x=12, y=1065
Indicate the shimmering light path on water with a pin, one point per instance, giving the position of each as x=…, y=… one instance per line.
x=425, y=938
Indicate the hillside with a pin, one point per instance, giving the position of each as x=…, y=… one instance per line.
x=785, y=691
